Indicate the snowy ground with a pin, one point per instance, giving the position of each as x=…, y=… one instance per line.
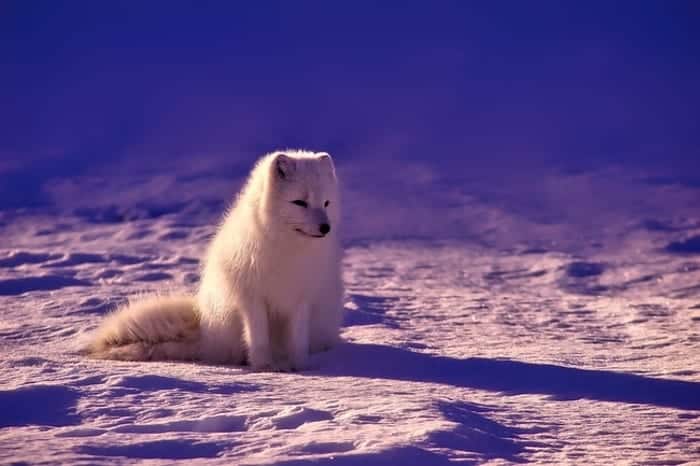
x=548, y=320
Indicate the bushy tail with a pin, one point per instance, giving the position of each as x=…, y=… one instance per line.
x=153, y=328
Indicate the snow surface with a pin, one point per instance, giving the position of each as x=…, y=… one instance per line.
x=546, y=317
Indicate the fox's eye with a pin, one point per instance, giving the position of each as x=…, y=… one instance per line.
x=300, y=203
x=325, y=204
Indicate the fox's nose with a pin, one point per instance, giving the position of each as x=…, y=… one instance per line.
x=324, y=228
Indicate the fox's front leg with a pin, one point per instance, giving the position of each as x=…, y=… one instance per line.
x=298, y=337
x=257, y=335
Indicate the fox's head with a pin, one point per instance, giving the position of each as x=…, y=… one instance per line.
x=303, y=193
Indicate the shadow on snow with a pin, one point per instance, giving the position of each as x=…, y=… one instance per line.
x=510, y=377
x=48, y=405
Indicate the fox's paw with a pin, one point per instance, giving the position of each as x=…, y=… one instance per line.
x=290, y=365
x=261, y=367
x=282, y=365
x=260, y=359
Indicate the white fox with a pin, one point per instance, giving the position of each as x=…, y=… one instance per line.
x=271, y=289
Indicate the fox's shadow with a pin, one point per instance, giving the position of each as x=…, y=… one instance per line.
x=508, y=376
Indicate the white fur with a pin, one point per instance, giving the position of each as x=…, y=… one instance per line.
x=271, y=288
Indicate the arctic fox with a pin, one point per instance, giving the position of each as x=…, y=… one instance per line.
x=271, y=289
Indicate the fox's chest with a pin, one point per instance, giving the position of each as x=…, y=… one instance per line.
x=294, y=281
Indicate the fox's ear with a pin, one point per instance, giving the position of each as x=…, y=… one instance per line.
x=284, y=166
x=327, y=161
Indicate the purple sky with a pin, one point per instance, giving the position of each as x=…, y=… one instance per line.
x=85, y=82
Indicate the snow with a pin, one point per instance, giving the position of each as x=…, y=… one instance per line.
x=546, y=317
